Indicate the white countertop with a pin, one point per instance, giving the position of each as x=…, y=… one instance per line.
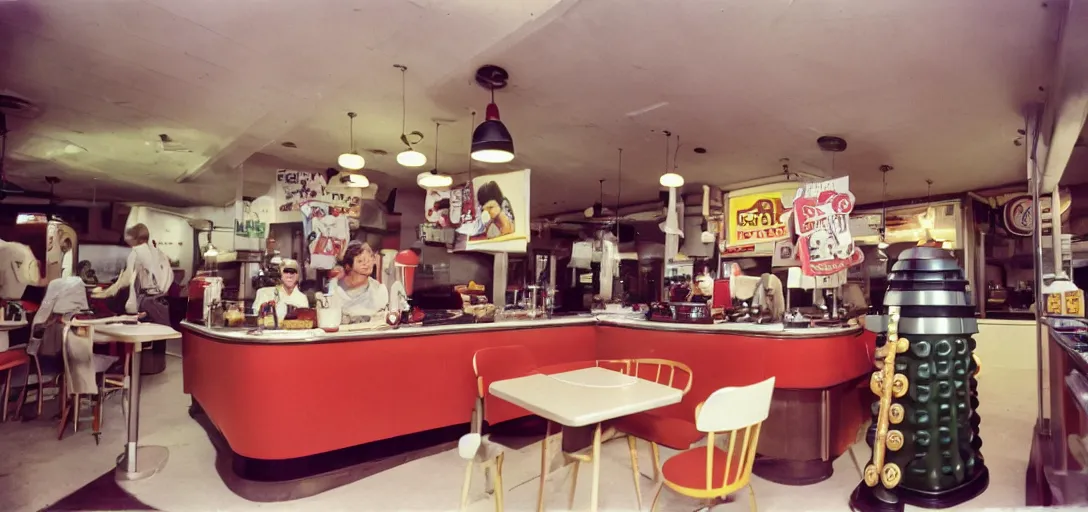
x=584, y=397
x=633, y=321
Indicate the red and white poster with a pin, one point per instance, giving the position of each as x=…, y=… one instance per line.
x=821, y=216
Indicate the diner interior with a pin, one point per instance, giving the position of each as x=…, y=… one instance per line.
x=543, y=255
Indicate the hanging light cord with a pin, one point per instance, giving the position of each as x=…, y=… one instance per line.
x=929, y=189
x=471, y=127
x=351, y=129
x=668, y=136
x=675, y=153
x=403, y=101
x=435, y=170
x=619, y=188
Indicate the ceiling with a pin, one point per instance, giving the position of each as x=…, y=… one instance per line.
x=932, y=87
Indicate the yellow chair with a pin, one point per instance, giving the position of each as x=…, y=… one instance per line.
x=711, y=472
x=475, y=449
x=653, y=426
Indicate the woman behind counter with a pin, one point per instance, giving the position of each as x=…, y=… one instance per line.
x=284, y=294
x=360, y=296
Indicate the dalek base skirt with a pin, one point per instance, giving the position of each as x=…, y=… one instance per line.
x=925, y=432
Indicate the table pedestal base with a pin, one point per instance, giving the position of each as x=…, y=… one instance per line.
x=149, y=460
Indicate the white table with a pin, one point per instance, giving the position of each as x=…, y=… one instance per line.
x=137, y=462
x=9, y=325
x=581, y=398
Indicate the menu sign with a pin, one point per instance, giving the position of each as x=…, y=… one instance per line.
x=757, y=218
x=821, y=213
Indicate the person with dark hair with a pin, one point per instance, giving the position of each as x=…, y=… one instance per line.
x=361, y=297
x=497, y=213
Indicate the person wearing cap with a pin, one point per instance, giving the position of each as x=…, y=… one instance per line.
x=284, y=294
x=361, y=297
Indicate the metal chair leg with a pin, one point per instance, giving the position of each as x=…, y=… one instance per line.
x=497, y=473
x=467, y=484
x=632, y=445
x=7, y=392
x=653, y=505
x=41, y=384
x=21, y=402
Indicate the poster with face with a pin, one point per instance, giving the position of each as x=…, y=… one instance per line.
x=501, y=219
x=821, y=217
x=326, y=231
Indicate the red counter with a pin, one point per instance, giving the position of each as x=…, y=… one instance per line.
x=282, y=399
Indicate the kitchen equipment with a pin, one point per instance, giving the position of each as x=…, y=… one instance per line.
x=234, y=314
x=680, y=313
x=329, y=312
x=205, y=292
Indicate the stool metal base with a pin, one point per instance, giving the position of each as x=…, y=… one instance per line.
x=149, y=460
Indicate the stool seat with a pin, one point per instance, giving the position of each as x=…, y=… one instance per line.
x=13, y=358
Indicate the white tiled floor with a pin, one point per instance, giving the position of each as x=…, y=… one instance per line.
x=37, y=470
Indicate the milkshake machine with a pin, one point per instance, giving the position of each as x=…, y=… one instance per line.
x=400, y=291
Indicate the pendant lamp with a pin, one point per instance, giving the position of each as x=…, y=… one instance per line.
x=491, y=141
x=883, y=243
x=671, y=179
x=353, y=161
x=433, y=179
x=351, y=180
x=409, y=157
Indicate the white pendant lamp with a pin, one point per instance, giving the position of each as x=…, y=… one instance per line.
x=354, y=180
x=433, y=179
x=352, y=161
x=671, y=180
x=409, y=157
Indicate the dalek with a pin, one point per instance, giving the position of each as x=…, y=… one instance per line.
x=924, y=437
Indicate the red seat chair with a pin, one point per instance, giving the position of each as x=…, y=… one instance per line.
x=712, y=472
x=10, y=360
x=659, y=426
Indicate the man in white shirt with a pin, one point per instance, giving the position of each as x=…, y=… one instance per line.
x=361, y=296
x=284, y=294
x=147, y=274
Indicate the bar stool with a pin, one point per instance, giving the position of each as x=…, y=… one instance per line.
x=10, y=360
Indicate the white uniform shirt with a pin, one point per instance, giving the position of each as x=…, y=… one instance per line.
x=150, y=271
x=295, y=298
x=366, y=300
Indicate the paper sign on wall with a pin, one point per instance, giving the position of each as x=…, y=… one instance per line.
x=821, y=216
x=756, y=218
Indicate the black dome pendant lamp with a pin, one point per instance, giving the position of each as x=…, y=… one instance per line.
x=491, y=141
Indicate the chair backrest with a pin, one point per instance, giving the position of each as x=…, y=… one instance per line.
x=732, y=408
x=662, y=371
x=738, y=412
x=469, y=445
x=499, y=363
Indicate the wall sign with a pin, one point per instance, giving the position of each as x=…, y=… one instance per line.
x=1017, y=215
x=821, y=213
x=756, y=218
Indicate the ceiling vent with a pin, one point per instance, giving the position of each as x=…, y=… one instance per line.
x=172, y=146
x=16, y=106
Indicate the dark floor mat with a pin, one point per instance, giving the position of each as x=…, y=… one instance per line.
x=102, y=493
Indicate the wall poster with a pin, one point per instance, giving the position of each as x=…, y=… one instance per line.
x=758, y=217
x=500, y=216
x=821, y=216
